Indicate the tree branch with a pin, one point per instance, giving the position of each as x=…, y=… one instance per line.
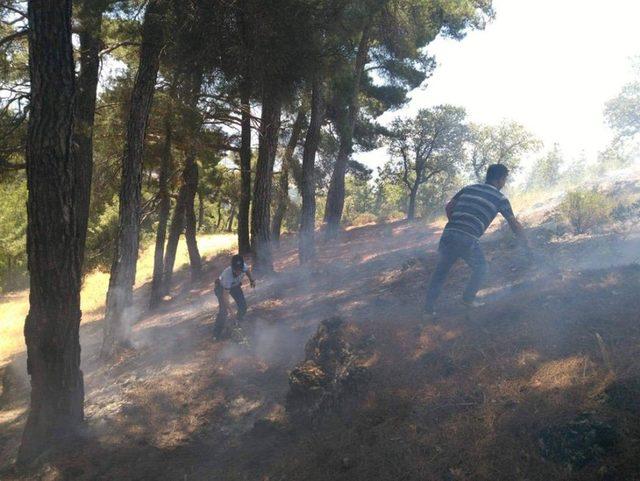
x=10, y=38
x=111, y=48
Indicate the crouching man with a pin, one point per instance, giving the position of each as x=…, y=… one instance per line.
x=230, y=284
x=470, y=213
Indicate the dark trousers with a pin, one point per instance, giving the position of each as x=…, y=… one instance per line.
x=223, y=305
x=453, y=246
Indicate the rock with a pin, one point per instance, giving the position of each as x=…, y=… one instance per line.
x=579, y=442
x=328, y=374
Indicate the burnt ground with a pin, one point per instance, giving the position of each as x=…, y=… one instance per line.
x=542, y=383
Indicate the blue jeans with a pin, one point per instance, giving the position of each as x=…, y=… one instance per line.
x=238, y=296
x=453, y=246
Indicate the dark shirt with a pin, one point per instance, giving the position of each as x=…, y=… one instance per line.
x=475, y=207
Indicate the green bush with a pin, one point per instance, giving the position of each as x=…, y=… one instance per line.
x=13, y=229
x=101, y=236
x=364, y=219
x=585, y=209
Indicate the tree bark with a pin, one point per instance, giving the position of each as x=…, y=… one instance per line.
x=191, y=177
x=219, y=222
x=175, y=229
x=53, y=247
x=307, y=240
x=232, y=216
x=200, y=210
x=335, y=196
x=123, y=269
x=184, y=217
x=164, y=208
x=261, y=207
x=244, y=244
x=282, y=201
x=411, y=208
x=90, y=17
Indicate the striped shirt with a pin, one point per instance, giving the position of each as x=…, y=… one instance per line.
x=475, y=207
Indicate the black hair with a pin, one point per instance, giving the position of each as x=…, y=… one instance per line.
x=496, y=172
x=237, y=262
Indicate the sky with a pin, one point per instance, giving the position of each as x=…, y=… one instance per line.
x=548, y=64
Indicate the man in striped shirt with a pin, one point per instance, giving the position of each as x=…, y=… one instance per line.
x=470, y=213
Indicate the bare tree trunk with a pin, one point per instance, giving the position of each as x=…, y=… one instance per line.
x=260, y=213
x=200, y=210
x=282, y=201
x=123, y=269
x=411, y=208
x=191, y=186
x=307, y=239
x=232, y=216
x=335, y=196
x=53, y=241
x=163, y=213
x=90, y=17
x=219, y=223
x=295, y=169
x=244, y=244
x=175, y=229
x=190, y=176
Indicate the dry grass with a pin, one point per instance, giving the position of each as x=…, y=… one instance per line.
x=14, y=306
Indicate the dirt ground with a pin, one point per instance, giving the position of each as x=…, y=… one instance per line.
x=542, y=383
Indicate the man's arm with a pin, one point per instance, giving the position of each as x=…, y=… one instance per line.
x=514, y=224
x=517, y=229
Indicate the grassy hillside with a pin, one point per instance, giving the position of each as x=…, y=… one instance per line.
x=14, y=306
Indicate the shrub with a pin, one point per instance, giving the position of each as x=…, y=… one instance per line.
x=585, y=209
x=364, y=219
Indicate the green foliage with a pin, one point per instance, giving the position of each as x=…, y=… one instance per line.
x=359, y=199
x=506, y=144
x=585, y=209
x=427, y=151
x=622, y=113
x=13, y=229
x=620, y=153
x=546, y=171
x=101, y=234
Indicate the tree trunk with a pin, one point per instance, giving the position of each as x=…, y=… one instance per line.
x=232, y=216
x=190, y=175
x=335, y=196
x=244, y=244
x=411, y=209
x=200, y=211
x=90, y=17
x=282, y=201
x=175, y=229
x=260, y=213
x=53, y=245
x=163, y=214
x=307, y=238
x=123, y=269
x=219, y=223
